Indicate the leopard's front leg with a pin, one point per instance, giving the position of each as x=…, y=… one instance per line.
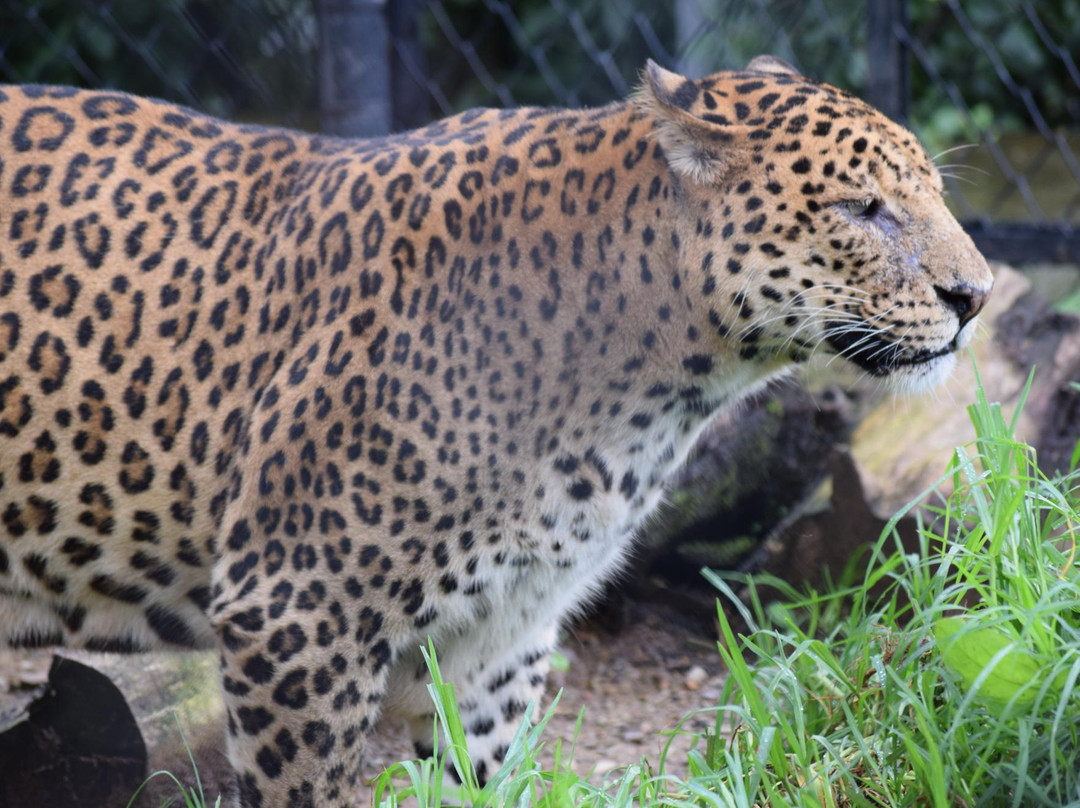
x=306, y=645
x=494, y=688
x=301, y=698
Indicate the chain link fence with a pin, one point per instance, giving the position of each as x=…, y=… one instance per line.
x=253, y=59
x=991, y=85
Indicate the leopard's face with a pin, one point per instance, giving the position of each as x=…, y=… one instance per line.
x=835, y=236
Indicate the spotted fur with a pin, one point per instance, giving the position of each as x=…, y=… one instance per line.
x=309, y=401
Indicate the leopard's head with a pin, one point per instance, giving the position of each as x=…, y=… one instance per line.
x=814, y=226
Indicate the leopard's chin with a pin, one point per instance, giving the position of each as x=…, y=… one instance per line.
x=922, y=374
x=925, y=370
x=900, y=368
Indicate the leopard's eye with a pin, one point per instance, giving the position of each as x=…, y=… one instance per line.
x=865, y=208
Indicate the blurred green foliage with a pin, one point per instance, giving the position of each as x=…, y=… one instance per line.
x=1005, y=58
x=588, y=52
x=255, y=58
x=238, y=58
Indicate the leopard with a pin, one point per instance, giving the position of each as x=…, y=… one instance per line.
x=313, y=402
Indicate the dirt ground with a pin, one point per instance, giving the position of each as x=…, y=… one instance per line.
x=635, y=684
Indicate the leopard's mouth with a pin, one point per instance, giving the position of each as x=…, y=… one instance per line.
x=878, y=356
x=924, y=357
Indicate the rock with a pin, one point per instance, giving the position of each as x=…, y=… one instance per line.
x=695, y=677
x=826, y=540
x=1058, y=282
x=605, y=766
x=17, y=673
x=164, y=689
x=76, y=744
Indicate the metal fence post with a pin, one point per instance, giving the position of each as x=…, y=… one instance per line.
x=887, y=58
x=408, y=96
x=698, y=53
x=354, y=67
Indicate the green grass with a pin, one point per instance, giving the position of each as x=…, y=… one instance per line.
x=944, y=676
x=190, y=797
x=956, y=685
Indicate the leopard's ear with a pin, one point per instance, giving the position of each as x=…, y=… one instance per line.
x=695, y=148
x=670, y=89
x=773, y=64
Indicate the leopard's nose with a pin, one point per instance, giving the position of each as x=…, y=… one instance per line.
x=964, y=299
